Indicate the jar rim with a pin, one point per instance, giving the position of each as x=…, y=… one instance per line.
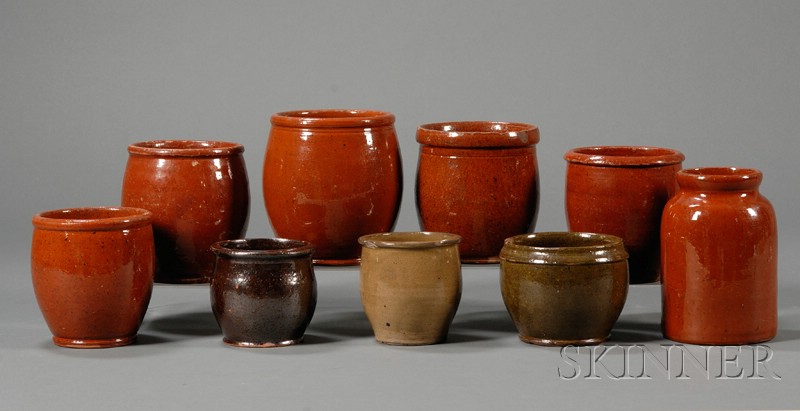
x=409, y=239
x=185, y=148
x=262, y=248
x=720, y=178
x=478, y=134
x=624, y=156
x=332, y=118
x=563, y=248
x=99, y=218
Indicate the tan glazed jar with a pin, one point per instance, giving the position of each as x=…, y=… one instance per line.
x=410, y=285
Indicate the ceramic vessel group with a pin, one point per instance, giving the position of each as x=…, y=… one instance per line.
x=332, y=185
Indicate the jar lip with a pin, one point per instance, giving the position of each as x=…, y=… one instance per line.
x=333, y=118
x=565, y=248
x=720, y=178
x=185, y=148
x=478, y=134
x=624, y=156
x=262, y=248
x=409, y=239
x=99, y=218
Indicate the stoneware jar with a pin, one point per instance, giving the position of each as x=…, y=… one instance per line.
x=263, y=291
x=410, y=285
x=331, y=176
x=564, y=288
x=92, y=271
x=621, y=190
x=480, y=180
x=719, y=258
x=198, y=193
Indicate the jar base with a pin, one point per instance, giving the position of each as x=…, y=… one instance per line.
x=93, y=343
x=332, y=262
x=247, y=344
x=718, y=341
x=411, y=343
x=559, y=343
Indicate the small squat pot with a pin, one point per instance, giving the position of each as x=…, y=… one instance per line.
x=263, y=291
x=564, y=288
x=92, y=271
x=410, y=285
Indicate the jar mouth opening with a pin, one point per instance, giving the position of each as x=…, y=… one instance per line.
x=92, y=218
x=409, y=239
x=731, y=173
x=624, y=156
x=565, y=248
x=185, y=148
x=478, y=134
x=720, y=178
x=556, y=240
x=262, y=248
x=332, y=118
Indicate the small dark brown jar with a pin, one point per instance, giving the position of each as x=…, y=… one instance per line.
x=263, y=291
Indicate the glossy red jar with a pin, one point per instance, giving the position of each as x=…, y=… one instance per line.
x=198, y=193
x=92, y=271
x=621, y=190
x=331, y=176
x=480, y=180
x=719, y=255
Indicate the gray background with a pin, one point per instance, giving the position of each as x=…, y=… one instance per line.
x=80, y=80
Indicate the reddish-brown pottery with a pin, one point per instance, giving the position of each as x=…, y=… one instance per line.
x=480, y=180
x=719, y=256
x=198, y=193
x=621, y=190
x=331, y=176
x=263, y=291
x=92, y=271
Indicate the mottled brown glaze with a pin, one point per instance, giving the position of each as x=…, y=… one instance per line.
x=92, y=271
x=263, y=291
x=331, y=176
x=621, y=190
x=480, y=180
x=410, y=285
x=564, y=288
x=198, y=193
x=719, y=252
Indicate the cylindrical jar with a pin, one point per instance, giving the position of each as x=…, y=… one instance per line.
x=621, y=190
x=331, y=176
x=198, y=193
x=263, y=291
x=719, y=259
x=410, y=285
x=92, y=271
x=564, y=288
x=479, y=180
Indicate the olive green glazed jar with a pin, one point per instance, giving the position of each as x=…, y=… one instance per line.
x=564, y=288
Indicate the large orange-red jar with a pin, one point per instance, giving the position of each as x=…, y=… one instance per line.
x=331, y=176
x=719, y=256
x=480, y=180
x=198, y=193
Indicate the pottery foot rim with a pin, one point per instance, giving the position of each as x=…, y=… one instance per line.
x=335, y=262
x=93, y=343
x=551, y=342
x=248, y=344
x=717, y=342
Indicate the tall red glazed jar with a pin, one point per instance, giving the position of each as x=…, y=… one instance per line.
x=719, y=259
x=480, y=180
x=331, y=176
x=198, y=193
x=622, y=190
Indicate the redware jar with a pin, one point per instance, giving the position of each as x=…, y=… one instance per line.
x=719, y=259
x=331, y=176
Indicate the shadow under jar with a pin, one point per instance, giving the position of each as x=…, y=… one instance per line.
x=480, y=180
x=263, y=291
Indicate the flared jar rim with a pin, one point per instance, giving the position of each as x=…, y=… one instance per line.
x=332, y=118
x=563, y=248
x=185, y=148
x=409, y=239
x=100, y=218
x=720, y=178
x=478, y=134
x=262, y=248
x=624, y=156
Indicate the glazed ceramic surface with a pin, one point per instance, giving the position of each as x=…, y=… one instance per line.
x=263, y=291
x=564, y=288
x=479, y=180
x=198, y=193
x=719, y=258
x=331, y=176
x=92, y=271
x=410, y=285
x=622, y=190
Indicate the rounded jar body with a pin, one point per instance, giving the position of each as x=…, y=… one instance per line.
x=331, y=176
x=564, y=288
x=92, y=271
x=263, y=291
x=622, y=190
x=719, y=259
x=410, y=285
x=478, y=180
x=198, y=193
